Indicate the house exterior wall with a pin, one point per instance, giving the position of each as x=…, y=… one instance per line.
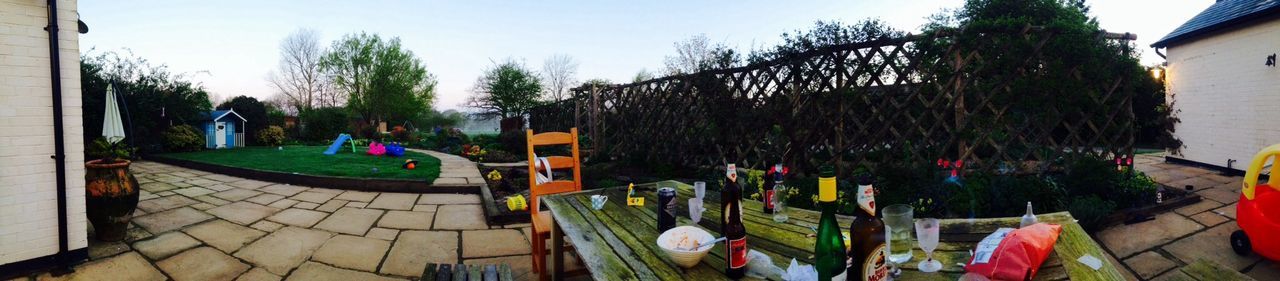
x=28, y=206
x=1227, y=98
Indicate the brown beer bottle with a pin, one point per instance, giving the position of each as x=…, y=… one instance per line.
x=867, y=232
x=731, y=226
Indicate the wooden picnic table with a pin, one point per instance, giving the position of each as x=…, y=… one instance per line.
x=619, y=241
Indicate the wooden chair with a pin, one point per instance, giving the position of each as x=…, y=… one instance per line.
x=541, y=221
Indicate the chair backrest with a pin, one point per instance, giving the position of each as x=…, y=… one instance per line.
x=556, y=163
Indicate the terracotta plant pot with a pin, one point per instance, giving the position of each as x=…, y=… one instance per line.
x=111, y=195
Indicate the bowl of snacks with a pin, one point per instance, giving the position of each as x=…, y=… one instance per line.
x=681, y=244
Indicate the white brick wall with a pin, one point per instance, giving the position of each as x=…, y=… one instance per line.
x=28, y=206
x=1229, y=100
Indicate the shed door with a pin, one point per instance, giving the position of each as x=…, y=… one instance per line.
x=220, y=135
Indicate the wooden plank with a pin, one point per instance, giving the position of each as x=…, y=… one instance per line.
x=643, y=243
x=594, y=251
x=429, y=272
x=1203, y=269
x=1074, y=243
x=445, y=273
x=459, y=272
x=473, y=273
x=606, y=231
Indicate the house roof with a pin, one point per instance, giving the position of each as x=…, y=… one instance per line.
x=218, y=114
x=1223, y=14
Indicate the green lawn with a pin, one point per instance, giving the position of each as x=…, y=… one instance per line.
x=310, y=160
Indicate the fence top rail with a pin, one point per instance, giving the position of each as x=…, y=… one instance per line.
x=879, y=42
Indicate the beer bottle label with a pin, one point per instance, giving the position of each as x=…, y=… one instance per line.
x=867, y=199
x=768, y=199
x=874, y=268
x=738, y=252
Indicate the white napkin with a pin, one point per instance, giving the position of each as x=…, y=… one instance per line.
x=797, y=272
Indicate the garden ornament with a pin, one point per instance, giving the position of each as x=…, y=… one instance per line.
x=377, y=149
x=410, y=164
x=516, y=203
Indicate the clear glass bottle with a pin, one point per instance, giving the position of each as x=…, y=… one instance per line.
x=779, y=196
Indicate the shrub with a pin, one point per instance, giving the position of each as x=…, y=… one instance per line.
x=271, y=136
x=500, y=156
x=513, y=141
x=400, y=134
x=1090, y=210
x=183, y=138
x=109, y=152
x=323, y=124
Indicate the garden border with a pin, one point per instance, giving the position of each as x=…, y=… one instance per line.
x=496, y=216
x=344, y=183
x=1121, y=216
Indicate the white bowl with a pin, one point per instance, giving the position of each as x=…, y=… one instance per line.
x=670, y=242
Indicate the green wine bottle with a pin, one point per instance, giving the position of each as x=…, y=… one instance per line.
x=830, y=251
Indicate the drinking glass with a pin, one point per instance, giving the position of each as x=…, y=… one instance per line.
x=695, y=210
x=597, y=201
x=699, y=189
x=897, y=228
x=927, y=233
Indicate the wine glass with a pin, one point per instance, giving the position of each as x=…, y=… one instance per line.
x=699, y=189
x=927, y=235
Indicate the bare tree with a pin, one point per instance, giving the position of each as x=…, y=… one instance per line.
x=697, y=54
x=299, y=78
x=560, y=72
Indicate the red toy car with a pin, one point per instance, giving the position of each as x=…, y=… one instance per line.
x=1258, y=212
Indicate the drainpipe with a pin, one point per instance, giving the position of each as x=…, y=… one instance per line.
x=62, y=264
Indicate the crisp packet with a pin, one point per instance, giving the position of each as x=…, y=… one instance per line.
x=1014, y=254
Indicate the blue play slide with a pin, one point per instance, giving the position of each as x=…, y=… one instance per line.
x=333, y=148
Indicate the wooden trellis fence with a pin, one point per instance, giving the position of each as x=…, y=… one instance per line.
x=914, y=98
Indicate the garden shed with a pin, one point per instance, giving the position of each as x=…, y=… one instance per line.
x=1221, y=76
x=224, y=129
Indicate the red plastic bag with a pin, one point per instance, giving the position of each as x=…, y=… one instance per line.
x=1014, y=254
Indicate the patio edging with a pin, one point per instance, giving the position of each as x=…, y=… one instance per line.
x=344, y=183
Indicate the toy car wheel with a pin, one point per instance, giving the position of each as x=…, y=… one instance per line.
x=1240, y=243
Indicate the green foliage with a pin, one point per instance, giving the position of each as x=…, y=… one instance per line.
x=1091, y=210
x=183, y=138
x=447, y=118
x=253, y=111
x=514, y=141
x=500, y=156
x=382, y=80
x=1156, y=117
x=506, y=89
x=826, y=34
x=109, y=152
x=271, y=136
x=311, y=160
x=324, y=123
x=151, y=97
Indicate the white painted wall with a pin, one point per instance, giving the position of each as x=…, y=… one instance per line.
x=1229, y=101
x=28, y=206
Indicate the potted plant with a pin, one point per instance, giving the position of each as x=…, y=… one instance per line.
x=111, y=192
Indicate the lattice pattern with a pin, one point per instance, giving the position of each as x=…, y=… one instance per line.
x=916, y=98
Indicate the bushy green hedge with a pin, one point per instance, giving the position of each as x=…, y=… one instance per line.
x=271, y=136
x=324, y=123
x=183, y=138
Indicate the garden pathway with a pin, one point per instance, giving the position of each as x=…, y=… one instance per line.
x=193, y=225
x=1151, y=250
x=454, y=170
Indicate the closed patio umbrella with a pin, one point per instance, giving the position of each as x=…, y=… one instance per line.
x=112, y=128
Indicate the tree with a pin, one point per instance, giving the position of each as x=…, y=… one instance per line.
x=642, y=75
x=697, y=54
x=298, y=78
x=507, y=89
x=825, y=34
x=253, y=111
x=151, y=99
x=382, y=81
x=559, y=72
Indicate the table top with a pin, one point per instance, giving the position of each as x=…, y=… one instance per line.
x=619, y=242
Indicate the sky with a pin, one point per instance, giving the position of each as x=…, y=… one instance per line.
x=231, y=46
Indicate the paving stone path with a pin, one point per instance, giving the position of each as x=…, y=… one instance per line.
x=192, y=225
x=1152, y=250
x=454, y=170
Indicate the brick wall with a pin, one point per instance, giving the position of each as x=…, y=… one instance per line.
x=28, y=206
x=1229, y=100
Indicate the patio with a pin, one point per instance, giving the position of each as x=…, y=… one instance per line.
x=193, y=225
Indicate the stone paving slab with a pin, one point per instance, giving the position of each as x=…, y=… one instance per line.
x=282, y=189
x=101, y=250
x=193, y=191
x=202, y=263
x=313, y=196
x=460, y=217
x=128, y=266
x=249, y=184
x=350, y=221
x=298, y=217
x=1226, y=195
x=332, y=205
x=225, y=236
x=413, y=250
x=258, y=274
x=243, y=213
x=170, y=220
x=1149, y=264
x=265, y=199
x=521, y=266
x=481, y=243
x=441, y=199
x=1126, y=240
x=236, y=194
x=407, y=220
x=352, y=252
x=284, y=249
x=394, y=201
x=1194, y=247
x=165, y=203
x=358, y=196
x=211, y=200
x=1203, y=205
x=165, y=245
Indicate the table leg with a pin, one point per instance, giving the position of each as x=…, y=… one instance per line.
x=557, y=251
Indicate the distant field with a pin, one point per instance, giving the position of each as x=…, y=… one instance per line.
x=310, y=160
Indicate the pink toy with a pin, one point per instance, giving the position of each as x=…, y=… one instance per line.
x=377, y=149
